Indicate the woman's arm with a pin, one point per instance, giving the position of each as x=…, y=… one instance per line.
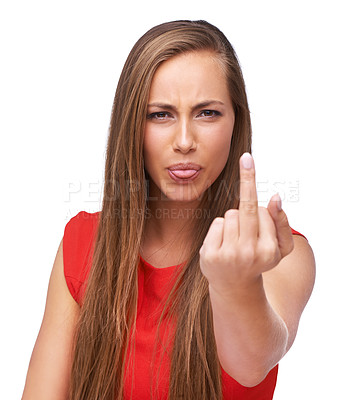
x=255, y=330
x=260, y=279
x=50, y=363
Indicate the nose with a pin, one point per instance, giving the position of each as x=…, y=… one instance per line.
x=184, y=138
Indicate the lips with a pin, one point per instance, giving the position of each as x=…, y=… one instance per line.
x=184, y=166
x=184, y=172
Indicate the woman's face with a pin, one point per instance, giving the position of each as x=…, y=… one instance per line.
x=190, y=119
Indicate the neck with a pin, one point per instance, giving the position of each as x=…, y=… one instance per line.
x=168, y=229
x=171, y=219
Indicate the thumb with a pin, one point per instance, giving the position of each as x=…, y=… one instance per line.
x=284, y=232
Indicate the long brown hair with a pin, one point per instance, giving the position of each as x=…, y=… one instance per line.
x=108, y=313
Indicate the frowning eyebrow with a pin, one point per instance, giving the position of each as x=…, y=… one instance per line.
x=207, y=103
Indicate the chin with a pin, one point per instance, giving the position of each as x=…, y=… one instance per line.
x=182, y=198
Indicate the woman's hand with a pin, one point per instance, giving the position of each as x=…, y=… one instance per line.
x=246, y=242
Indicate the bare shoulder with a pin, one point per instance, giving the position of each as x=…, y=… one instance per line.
x=50, y=363
x=300, y=261
x=289, y=285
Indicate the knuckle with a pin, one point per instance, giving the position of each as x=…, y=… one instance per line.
x=284, y=219
x=210, y=256
x=230, y=255
x=231, y=213
x=250, y=207
x=248, y=174
x=270, y=250
x=247, y=254
x=270, y=254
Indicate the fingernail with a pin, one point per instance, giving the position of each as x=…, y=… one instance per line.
x=247, y=160
x=279, y=202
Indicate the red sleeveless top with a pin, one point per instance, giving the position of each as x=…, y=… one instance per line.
x=78, y=241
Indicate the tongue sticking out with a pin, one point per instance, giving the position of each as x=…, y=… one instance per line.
x=184, y=173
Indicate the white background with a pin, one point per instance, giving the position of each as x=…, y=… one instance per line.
x=303, y=67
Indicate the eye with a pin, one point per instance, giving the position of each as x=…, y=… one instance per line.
x=209, y=113
x=160, y=115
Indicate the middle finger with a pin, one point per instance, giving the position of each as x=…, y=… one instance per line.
x=248, y=204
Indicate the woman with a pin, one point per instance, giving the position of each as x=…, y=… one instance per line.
x=193, y=291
